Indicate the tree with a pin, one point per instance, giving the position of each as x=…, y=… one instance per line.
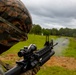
x=74, y=33
x=61, y=31
x=54, y=31
x=46, y=31
x=36, y=29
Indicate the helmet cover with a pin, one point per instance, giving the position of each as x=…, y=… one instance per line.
x=15, y=22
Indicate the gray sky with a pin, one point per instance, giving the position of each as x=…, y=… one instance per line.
x=52, y=13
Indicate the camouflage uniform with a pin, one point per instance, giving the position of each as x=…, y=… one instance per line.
x=15, y=23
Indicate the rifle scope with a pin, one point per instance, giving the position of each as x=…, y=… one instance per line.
x=27, y=50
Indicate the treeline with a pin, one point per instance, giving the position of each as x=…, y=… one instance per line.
x=36, y=29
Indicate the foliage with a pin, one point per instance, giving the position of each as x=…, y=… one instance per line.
x=46, y=31
x=56, y=71
x=54, y=31
x=36, y=29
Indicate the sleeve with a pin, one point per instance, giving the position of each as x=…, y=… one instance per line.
x=32, y=71
x=1, y=70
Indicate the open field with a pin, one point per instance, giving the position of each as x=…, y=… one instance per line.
x=71, y=50
x=57, y=65
x=55, y=70
x=33, y=39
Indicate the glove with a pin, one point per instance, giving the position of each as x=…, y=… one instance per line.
x=32, y=71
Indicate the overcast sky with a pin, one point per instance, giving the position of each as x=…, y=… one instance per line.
x=52, y=13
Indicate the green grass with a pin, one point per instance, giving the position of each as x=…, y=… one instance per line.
x=39, y=41
x=56, y=71
x=71, y=50
x=32, y=39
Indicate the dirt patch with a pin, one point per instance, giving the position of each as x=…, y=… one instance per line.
x=10, y=59
x=66, y=62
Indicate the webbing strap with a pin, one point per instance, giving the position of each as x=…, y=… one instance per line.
x=11, y=25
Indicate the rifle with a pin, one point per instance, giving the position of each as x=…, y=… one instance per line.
x=32, y=57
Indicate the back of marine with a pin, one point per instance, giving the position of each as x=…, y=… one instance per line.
x=15, y=23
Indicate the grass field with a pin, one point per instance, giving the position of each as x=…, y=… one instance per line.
x=32, y=39
x=56, y=71
x=71, y=50
x=39, y=41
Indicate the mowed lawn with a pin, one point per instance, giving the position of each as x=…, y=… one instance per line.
x=71, y=50
x=39, y=41
x=55, y=70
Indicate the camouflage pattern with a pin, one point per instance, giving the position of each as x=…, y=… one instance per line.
x=15, y=23
x=32, y=71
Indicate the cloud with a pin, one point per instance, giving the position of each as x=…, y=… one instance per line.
x=52, y=13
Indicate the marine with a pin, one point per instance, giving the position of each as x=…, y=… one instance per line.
x=15, y=24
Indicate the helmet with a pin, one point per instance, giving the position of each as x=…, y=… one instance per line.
x=15, y=23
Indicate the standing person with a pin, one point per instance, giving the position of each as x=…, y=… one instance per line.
x=15, y=23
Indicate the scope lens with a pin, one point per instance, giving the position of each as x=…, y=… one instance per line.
x=21, y=53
